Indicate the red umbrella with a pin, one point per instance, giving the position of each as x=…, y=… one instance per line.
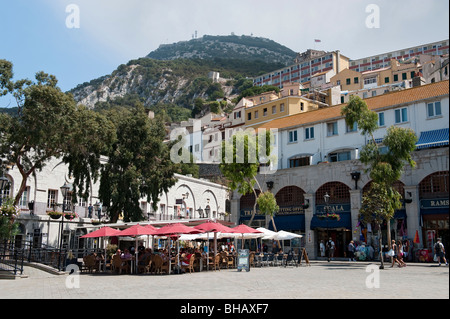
x=176, y=229
x=138, y=230
x=213, y=227
x=103, y=232
x=244, y=229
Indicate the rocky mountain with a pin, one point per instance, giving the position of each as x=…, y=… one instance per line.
x=177, y=74
x=233, y=47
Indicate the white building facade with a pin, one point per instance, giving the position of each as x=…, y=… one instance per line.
x=318, y=154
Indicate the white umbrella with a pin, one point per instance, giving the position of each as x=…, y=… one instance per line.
x=284, y=235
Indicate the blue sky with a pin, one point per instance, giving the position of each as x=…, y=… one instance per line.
x=34, y=35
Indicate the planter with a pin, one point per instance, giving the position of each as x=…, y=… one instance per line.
x=55, y=216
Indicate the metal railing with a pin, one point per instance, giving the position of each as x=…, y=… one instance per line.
x=11, y=259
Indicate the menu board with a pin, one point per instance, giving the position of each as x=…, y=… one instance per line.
x=243, y=260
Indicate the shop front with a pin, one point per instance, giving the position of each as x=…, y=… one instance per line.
x=435, y=221
x=291, y=219
x=337, y=225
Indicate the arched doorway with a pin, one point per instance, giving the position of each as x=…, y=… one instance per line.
x=434, y=199
x=339, y=229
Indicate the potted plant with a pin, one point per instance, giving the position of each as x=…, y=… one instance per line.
x=70, y=216
x=334, y=216
x=95, y=222
x=54, y=214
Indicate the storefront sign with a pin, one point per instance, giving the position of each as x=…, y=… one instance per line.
x=434, y=203
x=333, y=208
x=243, y=260
x=284, y=210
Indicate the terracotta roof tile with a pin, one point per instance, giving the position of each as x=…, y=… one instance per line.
x=382, y=101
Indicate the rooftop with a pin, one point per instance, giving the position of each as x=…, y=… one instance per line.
x=382, y=101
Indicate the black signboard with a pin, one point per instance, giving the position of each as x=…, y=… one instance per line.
x=243, y=260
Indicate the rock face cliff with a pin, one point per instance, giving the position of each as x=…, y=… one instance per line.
x=178, y=73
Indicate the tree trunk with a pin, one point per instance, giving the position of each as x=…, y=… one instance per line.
x=380, y=243
x=275, y=229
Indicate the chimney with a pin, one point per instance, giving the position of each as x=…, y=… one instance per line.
x=418, y=80
x=338, y=61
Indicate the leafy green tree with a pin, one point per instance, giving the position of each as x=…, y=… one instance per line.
x=267, y=204
x=242, y=156
x=139, y=165
x=384, y=167
x=49, y=124
x=8, y=213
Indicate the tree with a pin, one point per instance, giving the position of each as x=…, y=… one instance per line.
x=384, y=167
x=242, y=156
x=49, y=124
x=139, y=165
x=268, y=206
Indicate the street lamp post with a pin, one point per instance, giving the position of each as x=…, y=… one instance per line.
x=326, y=198
x=65, y=189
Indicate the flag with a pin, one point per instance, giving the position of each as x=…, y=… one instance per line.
x=317, y=40
x=416, y=238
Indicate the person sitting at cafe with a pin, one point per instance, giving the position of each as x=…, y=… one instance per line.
x=126, y=254
x=186, y=259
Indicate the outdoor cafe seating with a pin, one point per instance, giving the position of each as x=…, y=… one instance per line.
x=158, y=262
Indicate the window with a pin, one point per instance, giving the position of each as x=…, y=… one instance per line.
x=404, y=76
x=309, y=133
x=413, y=73
x=339, y=156
x=353, y=128
x=332, y=129
x=301, y=161
x=24, y=199
x=292, y=136
x=282, y=107
x=374, y=93
x=401, y=115
x=52, y=198
x=395, y=77
x=434, y=109
x=370, y=80
x=302, y=106
x=256, y=114
x=348, y=81
x=356, y=80
x=265, y=112
x=381, y=119
x=338, y=82
x=274, y=109
x=249, y=116
x=386, y=79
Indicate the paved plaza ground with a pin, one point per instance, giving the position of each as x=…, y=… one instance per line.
x=335, y=280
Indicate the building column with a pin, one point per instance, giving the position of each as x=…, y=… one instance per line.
x=355, y=206
x=310, y=239
x=413, y=213
x=235, y=210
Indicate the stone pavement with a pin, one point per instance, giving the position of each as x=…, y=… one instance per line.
x=335, y=280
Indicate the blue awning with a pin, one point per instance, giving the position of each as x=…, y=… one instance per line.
x=289, y=223
x=344, y=223
x=433, y=139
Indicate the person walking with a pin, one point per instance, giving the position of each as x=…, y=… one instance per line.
x=322, y=249
x=401, y=253
x=331, y=247
x=439, y=250
x=394, y=248
x=351, y=251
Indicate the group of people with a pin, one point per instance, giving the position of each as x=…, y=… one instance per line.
x=397, y=253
